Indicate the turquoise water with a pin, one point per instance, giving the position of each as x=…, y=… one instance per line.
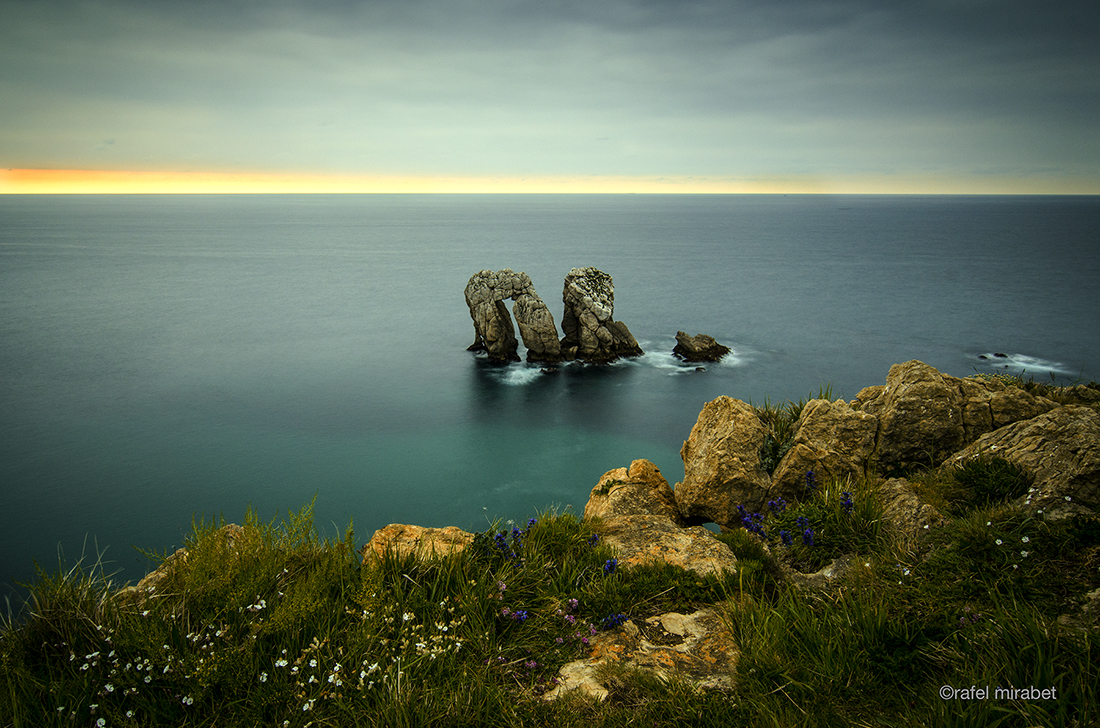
x=164, y=357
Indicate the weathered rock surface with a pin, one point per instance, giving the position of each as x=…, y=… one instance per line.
x=831, y=439
x=924, y=415
x=424, y=542
x=1088, y=616
x=825, y=578
x=722, y=466
x=905, y=512
x=646, y=539
x=637, y=490
x=698, y=348
x=486, y=293
x=1061, y=451
x=695, y=647
x=591, y=334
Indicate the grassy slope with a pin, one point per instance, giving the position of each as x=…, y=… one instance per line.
x=281, y=627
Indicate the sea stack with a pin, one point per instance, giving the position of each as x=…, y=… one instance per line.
x=591, y=334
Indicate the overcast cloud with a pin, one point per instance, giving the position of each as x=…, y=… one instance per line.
x=739, y=89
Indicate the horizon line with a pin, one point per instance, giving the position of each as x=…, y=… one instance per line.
x=26, y=181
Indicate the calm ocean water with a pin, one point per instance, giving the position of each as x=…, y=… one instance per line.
x=167, y=357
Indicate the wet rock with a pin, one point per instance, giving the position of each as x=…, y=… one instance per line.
x=698, y=348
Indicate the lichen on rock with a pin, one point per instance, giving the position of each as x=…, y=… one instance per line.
x=591, y=333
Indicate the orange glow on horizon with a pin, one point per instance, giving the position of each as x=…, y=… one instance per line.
x=63, y=181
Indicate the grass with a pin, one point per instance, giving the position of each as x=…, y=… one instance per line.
x=780, y=419
x=274, y=625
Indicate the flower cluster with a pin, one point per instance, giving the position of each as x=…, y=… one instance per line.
x=609, y=566
x=969, y=617
x=811, y=482
x=846, y=502
x=777, y=506
x=752, y=522
x=593, y=539
x=612, y=620
x=512, y=548
x=520, y=615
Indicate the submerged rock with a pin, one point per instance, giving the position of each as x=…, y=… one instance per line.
x=591, y=333
x=698, y=348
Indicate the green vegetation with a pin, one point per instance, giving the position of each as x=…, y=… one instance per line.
x=780, y=419
x=271, y=624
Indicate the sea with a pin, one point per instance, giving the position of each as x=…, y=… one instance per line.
x=172, y=360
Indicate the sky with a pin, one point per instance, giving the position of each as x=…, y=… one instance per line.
x=943, y=96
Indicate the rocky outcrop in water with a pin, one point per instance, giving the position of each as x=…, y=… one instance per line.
x=591, y=333
x=698, y=348
x=486, y=293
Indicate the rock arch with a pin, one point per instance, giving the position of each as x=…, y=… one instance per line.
x=486, y=293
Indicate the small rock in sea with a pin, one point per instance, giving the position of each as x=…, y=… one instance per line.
x=698, y=348
x=700, y=369
x=999, y=355
x=983, y=356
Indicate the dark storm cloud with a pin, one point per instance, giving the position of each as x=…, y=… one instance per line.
x=639, y=87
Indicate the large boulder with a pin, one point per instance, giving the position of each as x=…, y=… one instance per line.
x=637, y=490
x=1060, y=449
x=697, y=647
x=591, y=334
x=428, y=543
x=832, y=440
x=642, y=539
x=925, y=416
x=722, y=466
x=698, y=348
x=486, y=293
